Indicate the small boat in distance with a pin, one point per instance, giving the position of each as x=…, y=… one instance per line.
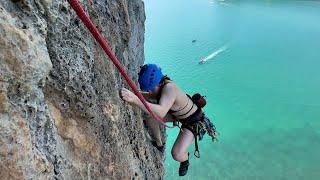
x=202, y=60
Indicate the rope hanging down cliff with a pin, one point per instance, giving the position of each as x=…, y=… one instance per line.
x=95, y=33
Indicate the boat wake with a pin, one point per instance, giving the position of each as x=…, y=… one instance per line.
x=213, y=55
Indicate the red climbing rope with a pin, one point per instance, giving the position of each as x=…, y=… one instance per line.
x=91, y=27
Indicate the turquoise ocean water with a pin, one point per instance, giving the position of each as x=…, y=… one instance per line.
x=262, y=88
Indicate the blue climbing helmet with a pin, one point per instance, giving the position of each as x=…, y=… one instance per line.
x=150, y=76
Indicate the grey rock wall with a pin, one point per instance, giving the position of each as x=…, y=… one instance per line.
x=60, y=112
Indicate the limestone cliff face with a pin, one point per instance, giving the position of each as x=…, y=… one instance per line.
x=60, y=113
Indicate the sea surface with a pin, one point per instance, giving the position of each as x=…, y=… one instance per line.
x=260, y=74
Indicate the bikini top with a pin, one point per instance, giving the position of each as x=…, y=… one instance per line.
x=175, y=111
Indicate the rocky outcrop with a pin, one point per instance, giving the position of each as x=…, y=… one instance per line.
x=60, y=112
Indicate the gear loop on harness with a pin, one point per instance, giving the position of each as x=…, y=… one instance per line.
x=99, y=38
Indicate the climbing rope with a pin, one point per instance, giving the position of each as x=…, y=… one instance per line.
x=95, y=33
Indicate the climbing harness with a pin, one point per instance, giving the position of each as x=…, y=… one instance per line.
x=92, y=28
x=198, y=123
